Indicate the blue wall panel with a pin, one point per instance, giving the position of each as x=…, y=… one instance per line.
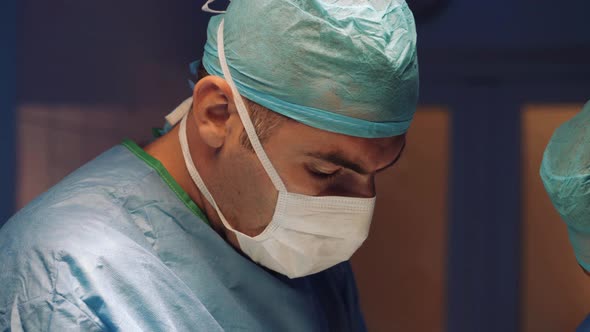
x=8, y=16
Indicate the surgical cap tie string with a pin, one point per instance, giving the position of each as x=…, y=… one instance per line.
x=208, y=9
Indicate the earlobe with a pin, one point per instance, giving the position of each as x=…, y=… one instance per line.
x=211, y=110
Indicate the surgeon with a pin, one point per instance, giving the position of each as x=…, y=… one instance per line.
x=565, y=172
x=243, y=215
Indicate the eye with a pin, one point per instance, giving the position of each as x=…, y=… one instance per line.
x=321, y=175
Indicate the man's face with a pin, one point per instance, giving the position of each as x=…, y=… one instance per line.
x=309, y=161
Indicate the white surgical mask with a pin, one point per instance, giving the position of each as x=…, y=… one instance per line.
x=307, y=234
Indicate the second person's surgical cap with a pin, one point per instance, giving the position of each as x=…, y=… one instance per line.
x=345, y=66
x=565, y=172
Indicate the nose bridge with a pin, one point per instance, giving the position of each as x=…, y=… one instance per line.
x=367, y=187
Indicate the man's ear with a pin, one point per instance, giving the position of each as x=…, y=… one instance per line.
x=212, y=102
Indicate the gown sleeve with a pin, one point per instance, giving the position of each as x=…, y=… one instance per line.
x=48, y=313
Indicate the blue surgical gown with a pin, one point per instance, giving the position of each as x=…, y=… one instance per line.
x=119, y=246
x=585, y=327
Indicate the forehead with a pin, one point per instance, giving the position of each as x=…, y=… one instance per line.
x=370, y=152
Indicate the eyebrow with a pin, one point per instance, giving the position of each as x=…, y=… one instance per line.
x=338, y=158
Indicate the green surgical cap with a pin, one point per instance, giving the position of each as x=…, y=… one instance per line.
x=343, y=66
x=565, y=171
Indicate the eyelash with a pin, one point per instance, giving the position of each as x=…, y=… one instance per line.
x=323, y=176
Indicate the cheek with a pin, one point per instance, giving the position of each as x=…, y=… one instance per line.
x=249, y=194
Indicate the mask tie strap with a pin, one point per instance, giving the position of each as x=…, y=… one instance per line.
x=243, y=113
x=175, y=116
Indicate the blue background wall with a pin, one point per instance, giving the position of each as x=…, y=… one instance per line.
x=485, y=59
x=8, y=13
